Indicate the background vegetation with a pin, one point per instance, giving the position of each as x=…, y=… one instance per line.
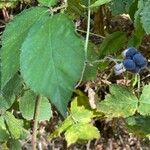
x=58, y=83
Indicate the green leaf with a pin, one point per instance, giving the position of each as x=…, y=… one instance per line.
x=76, y=124
x=5, y=104
x=4, y=136
x=10, y=3
x=2, y=123
x=99, y=3
x=144, y=106
x=120, y=6
x=48, y=2
x=67, y=123
x=79, y=113
x=138, y=34
x=112, y=43
x=81, y=131
x=75, y=9
x=139, y=125
x=12, y=41
x=82, y=100
x=52, y=65
x=14, y=125
x=145, y=17
x=12, y=88
x=120, y=103
x=3, y=133
x=14, y=144
x=133, y=9
x=27, y=106
x=91, y=68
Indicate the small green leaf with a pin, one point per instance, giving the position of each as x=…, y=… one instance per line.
x=144, y=106
x=133, y=8
x=91, y=68
x=145, y=17
x=4, y=136
x=99, y=3
x=81, y=131
x=120, y=103
x=112, y=43
x=120, y=6
x=75, y=9
x=49, y=68
x=27, y=106
x=139, y=125
x=3, y=132
x=138, y=34
x=79, y=113
x=82, y=100
x=12, y=88
x=14, y=125
x=14, y=144
x=67, y=123
x=48, y=2
x=12, y=41
x=5, y=104
x=2, y=123
x=6, y=4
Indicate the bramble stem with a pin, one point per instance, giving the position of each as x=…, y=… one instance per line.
x=93, y=34
x=35, y=125
x=86, y=43
x=139, y=82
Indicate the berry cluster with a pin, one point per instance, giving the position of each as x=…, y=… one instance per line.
x=133, y=61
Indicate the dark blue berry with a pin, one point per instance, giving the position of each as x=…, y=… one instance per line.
x=140, y=60
x=130, y=53
x=129, y=64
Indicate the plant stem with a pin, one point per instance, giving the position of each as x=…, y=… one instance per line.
x=86, y=43
x=35, y=125
x=93, y=34
x=139, y=82
x=88, y=31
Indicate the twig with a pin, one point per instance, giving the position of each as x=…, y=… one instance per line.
x=139, y=85
x=35, y=125
x=86, y=43
x=5, y=14
x=97, y=35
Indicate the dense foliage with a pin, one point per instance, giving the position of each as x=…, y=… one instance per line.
x=44, y=60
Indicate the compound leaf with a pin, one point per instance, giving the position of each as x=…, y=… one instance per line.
x=12, y=41
x=144, y=106
x=120, y=103
x=52, y=65
x=27, y=107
